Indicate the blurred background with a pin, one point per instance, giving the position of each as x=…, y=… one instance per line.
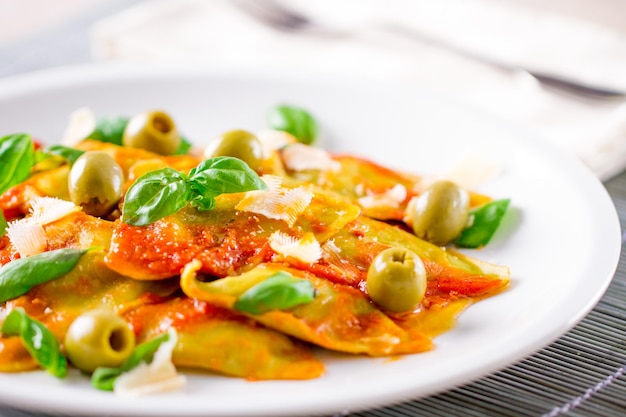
x=21, y=18
x=430, y=43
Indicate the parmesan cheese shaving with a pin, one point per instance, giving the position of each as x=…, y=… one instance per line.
x=158, y=376
x=27, y=236
x=307, y=248
x=273, y=140
x=390, y=198
x=408, y=212
x=273, y=182
x=300, y=157
x=278, y=203
x=473, y=171
x=45, y=210
x=82, y=123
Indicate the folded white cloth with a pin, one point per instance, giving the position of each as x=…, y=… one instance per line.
x=217, y=33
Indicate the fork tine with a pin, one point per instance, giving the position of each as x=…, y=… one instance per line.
x=273, y=14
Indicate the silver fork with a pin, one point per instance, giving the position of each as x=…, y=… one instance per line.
x=279, y=17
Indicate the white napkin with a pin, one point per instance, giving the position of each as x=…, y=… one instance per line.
x=216, y=33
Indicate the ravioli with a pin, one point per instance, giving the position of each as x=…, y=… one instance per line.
x=187, y=270
x=225, y=239
x=234, y=246
x=340, y=318
x=210, y=338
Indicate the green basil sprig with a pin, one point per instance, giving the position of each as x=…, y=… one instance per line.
x=60, y=152
x=163, y=192
x=109, y=129
x=221, y=175
x=185, y=146
x=38, y=340
x=484, y=220
x=3, y=224
x=17, y=157
x=104, y=378
x=297, y=121
x=19, y=276
x=278, y=292
x=70, y=154
x=155, y=195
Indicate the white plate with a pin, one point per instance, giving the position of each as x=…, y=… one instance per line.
x=561, y=241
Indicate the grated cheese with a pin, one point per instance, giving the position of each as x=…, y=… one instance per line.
x=408, y=212
x=82, y=123
x=273, y=182
x=300, y=157
x=45, y=210
x=274, y=140
x=158, y=376
x=307, y=248
x=28, y=235
x=390, y=198
x=473, y=171
x=278, y=203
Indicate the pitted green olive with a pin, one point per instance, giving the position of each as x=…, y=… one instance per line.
x=441, y=212
x=239, y=144
x=96, y=182
x=98, y=338
x=396, y=280
x=154, y=131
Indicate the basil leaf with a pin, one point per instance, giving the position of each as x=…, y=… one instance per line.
x=104, y=378
x=45, y=161
x=38, y=340
x=110, y=129
x=40, y=156
x=484, y=220
x=202, y=203
x=184, y=147
x=3, y=224
x=17, y=157
x=68, y=153
x=19, y=276
x=278, y=292
x=294, y=120
x=155, y=195
x=163, y=192
x=223, y=175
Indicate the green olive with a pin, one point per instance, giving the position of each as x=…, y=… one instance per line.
x=396, y=280
x=441, y=212
x=96, y=182
x=154, y=131
x=239, y=144
x=98, y=338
